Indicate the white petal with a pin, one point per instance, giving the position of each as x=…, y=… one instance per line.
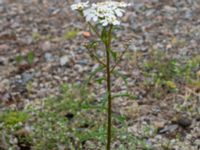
x=116, y=22
x=73, y=7
x=119, y=13
x=104, y=22
x=88, y=18
x=95, y=18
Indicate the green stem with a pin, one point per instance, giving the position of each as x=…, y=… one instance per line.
x=107, y=44
x=108, y=47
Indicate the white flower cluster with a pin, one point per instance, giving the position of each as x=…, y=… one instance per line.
x=105, y=13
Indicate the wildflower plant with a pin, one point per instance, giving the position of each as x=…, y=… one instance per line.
x=102, y=17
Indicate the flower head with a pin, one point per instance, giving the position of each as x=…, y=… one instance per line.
x=105, y=13
x=79, y=6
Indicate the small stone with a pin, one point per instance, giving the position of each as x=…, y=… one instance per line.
x=86, y=34
x=19, y=87
x=28, y=40
x=170, y=9
x=188, y=14
x=132, y=47
x=4, y=47
x=170, y=128
x=150, y=12
x=169, y=46
x=83, y=62
x=42, y=92
x=159, y=124
x=4, y=85
x=49, y=57
x=7, y=70
x=184, y=122
x=46, y=46
x=64, y=60
x=55, y=11
x=3, y=61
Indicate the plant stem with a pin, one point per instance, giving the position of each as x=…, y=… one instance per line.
x=109, y=98
x=108, y=47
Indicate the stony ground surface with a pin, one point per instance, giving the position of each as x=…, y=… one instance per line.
x=42, y=26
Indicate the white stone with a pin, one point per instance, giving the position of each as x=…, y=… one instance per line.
x=64, y=60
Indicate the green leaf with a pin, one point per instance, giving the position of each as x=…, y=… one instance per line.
x=30, y=57
x=68, y=35
x=92, y=44
x=120, y=118
x=104, y=35
x=102, y=134
x=113, y=54
x=64, y=87
x=90, y=106
x=100, y=79
x=104, y=99
x=92, y=74
x=19, y=59
x=124, y=95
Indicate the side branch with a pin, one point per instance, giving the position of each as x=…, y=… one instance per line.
x=119, y=60
x=95, y=57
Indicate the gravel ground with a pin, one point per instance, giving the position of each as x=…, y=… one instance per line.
x=172, y=26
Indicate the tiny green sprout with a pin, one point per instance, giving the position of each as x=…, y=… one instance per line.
x=30, y=57
x=19, y=59
x=172, y=85
x=68, y=35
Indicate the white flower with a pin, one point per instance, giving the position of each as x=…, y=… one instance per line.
x=105, y=13
x=90, y=14
x=119, y=12
x=79, y=6
x=122, y=4
x=110, y=20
